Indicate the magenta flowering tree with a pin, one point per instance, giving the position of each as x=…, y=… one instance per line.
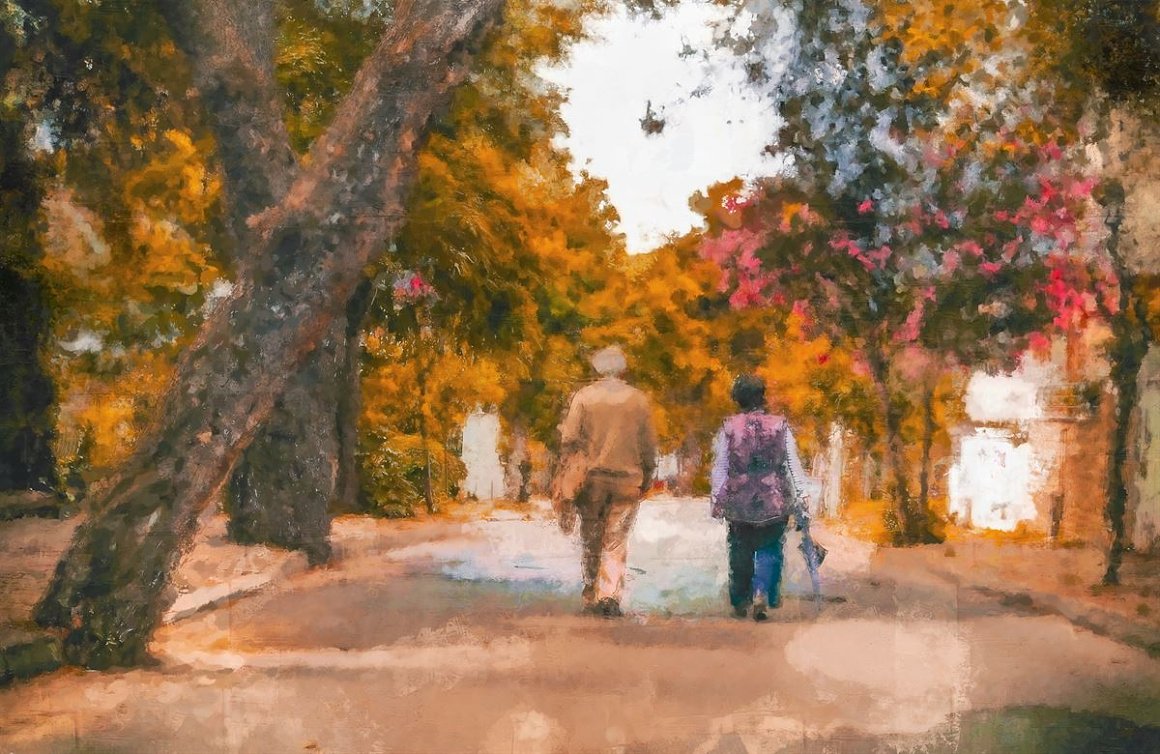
x=923, y=232
x=1102, y=283
x=953, y=278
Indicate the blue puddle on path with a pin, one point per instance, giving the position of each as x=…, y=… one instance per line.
x=677, y=558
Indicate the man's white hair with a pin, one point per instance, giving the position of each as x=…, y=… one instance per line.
x=609, y=362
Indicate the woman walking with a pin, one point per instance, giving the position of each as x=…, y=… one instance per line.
x=755, y=482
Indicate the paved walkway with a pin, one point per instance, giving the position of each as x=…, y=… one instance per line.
x=686, y=575
x=215, y=571
x=459, y=635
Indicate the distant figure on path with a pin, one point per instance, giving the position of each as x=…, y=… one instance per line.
x=755, y=486
x=609, y=431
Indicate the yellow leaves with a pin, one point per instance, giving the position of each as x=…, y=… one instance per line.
x=173, y=260
x=946, y=44
x=175, y=182
x=927, y=27
x=130, y=288
x=114, y=413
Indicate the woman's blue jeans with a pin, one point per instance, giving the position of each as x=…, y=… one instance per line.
x=755, y=558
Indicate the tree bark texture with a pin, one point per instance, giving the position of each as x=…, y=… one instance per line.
x=281, y=490
x=337, y=216
x=913, y=526
x=28, y=397
x=1131, y=336
x=303, y=464
x=928, y=429
x=348, y=495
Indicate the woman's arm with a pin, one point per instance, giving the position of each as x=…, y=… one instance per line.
x=797, y=475
x=718, y=472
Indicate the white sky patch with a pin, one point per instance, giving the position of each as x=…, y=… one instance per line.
x=716, y=124
x=86, y=341
x=44, y=138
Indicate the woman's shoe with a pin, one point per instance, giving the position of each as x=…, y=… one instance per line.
x=760, y=610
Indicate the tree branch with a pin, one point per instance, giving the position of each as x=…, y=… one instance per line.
x=231, y=48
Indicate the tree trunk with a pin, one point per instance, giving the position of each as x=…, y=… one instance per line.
x=348, y=495
x=428, y=492
x=108, y=590
x=518, y=465
x=1131, y=335
x=281, y=490
x=928, y=430
x=27, y=408
x=303, y=465
x=835, y=471
x=912, y=526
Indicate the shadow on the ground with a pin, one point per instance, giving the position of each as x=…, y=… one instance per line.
x=358, y=614
x=1016, y=730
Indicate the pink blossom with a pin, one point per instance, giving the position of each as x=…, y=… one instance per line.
x=1038, y=342
x=735, y=202
x=1047, y=190
x=865, y=206
x=990, y=268
x=731, y=245
x=908, y=333
x=973, y=248
x=748, y=262
x=881, y=256
x=1082, y=189
x=746, y=294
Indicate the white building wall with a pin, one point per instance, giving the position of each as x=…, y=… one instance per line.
x=485, y=474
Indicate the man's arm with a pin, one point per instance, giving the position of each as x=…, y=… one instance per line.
x=572, y=436
x=648, y=448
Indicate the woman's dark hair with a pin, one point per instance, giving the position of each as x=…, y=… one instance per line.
x=749, y=392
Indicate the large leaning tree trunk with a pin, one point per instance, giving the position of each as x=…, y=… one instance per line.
x=312, y=246
x=281, y=490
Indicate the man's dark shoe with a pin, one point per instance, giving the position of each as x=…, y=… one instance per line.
x=741, y=611
x=609, y=608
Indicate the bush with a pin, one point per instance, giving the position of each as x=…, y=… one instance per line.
x=394, y=469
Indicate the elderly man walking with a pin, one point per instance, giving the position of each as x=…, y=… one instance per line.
x=609, y=431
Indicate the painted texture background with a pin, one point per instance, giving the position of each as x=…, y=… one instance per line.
x=293, y=297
